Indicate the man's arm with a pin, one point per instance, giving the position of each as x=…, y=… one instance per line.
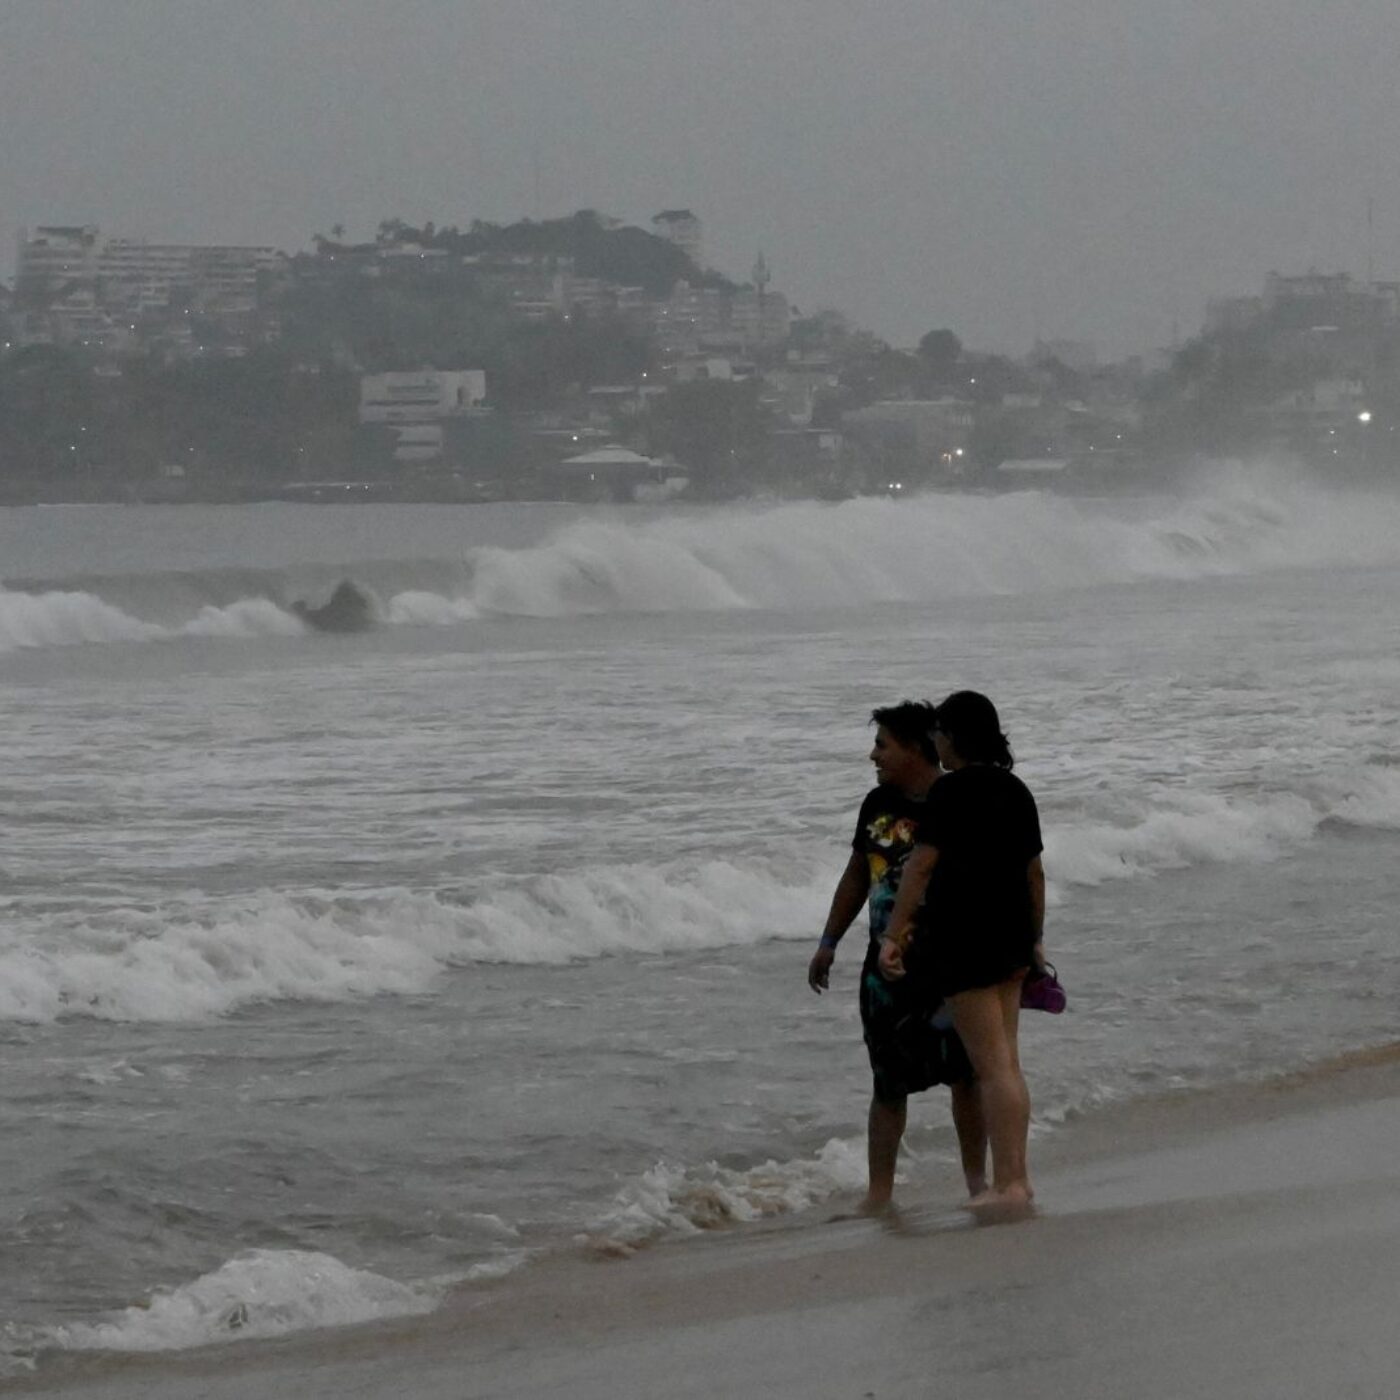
x=913, y=885
x=851, y=892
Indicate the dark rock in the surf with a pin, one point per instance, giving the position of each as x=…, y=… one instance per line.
x=348, y=609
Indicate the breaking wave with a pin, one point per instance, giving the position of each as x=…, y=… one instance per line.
x=671, y=1199
x=190, y=963
x=263, y=1293
x=1178, y=831
x=797, y=555
x=177, y=964
x=55, y=619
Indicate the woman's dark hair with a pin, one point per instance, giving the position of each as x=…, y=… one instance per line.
x=971, y=723
x=911, y=722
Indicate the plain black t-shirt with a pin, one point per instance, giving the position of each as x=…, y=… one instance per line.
x=984, y=824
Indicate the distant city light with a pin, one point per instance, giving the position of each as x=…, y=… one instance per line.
x=1364, y=416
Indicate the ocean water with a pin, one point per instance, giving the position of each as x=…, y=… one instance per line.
x=336, y=970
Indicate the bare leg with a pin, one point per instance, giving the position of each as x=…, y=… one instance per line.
x=886, y=1131
x=972, y=1134
x=1010, y=994
x=986, y=1018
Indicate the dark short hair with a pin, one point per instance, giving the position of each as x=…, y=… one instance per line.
x=973, y=726
x=911, y=722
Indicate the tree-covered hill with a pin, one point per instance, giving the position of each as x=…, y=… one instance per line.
x=599, y=247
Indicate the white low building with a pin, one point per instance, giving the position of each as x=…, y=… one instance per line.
x=418, y=442
x=420, y=396
x=613, y=472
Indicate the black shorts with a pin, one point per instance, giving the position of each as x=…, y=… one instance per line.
x=960, y=964
x=908, y=1034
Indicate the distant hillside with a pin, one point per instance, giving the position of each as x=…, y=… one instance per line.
x=625, y=255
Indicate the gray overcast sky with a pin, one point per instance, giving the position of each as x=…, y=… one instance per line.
x=1010, y=168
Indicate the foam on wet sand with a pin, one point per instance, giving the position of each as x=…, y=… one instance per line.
x=1236, y=1244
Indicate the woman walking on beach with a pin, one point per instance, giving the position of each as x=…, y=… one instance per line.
x=977, y=874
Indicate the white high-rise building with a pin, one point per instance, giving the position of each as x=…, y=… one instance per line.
x=56, y=257
x=681, y=227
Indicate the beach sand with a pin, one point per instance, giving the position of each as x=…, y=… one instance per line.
x=1241, y=1243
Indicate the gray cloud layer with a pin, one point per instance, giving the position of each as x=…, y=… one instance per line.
x=1007, y=167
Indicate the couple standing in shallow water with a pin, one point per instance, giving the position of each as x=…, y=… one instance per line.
x=947, y=856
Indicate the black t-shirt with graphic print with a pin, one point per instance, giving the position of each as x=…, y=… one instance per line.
x=886, y=830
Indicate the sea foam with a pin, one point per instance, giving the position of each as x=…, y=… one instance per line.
x=181, y=962
x=262, y=1293
x=58, y=619
x=781, y=556
x=671, y=1199
x=1372, y=799
x=1178, y=830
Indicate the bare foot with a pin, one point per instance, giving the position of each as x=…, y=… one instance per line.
x=871, y=1208
x=1009, y=1203
x=876, y=1207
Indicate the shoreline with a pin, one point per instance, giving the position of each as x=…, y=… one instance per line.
x=1235, y=1241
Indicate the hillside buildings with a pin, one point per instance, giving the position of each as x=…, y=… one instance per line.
x=585, y=335
x=681, y=227
x=1319, y=356
x=417, y=408
x=55, y=257
x=694, y=320
x=936, y=433
x=123, y=296
x=71, y=288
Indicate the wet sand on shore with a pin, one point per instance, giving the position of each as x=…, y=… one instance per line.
x=1241, y=1243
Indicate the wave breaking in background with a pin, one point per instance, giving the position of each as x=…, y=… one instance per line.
x=799, y=555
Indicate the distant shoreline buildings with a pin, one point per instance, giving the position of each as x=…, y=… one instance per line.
x=121, y=295
x=678, y=362
x=124, y=296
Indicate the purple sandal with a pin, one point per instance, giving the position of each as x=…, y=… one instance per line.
x=1041, y=991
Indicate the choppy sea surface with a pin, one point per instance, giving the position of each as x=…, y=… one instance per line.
x=335, y=969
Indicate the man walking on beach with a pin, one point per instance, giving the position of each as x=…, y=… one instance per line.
x=911, y=1042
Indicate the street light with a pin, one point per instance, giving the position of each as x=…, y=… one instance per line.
x=1364, y=416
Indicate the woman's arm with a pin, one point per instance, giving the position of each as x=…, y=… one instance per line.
x=1035, y=882
x=913, y=884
